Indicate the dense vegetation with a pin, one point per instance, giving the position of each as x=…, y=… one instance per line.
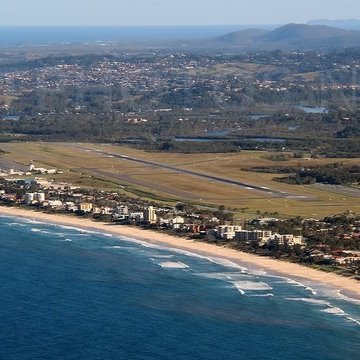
x=335, y=174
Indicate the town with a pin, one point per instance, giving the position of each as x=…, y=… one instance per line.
x=298, y=106
x=331, y=244
x=146, y=98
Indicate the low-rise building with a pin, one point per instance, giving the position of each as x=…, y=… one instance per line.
x=288, y=239
x=85, y=207
x=29, y=198
x=260, y=236
x=136, y=217
x=55, y=204
x=227, y=232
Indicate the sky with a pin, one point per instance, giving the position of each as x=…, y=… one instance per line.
x=172, y=12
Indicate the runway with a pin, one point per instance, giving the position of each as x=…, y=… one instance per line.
x=213, y=178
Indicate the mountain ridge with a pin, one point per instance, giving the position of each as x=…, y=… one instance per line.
x=291, y=37
x=347, y=24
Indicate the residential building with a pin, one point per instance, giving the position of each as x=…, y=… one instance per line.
x=150, y=215
x=85, y=207
x=259, y=236
x=227, y=232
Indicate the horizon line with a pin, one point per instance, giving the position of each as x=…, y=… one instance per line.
x=146, y=25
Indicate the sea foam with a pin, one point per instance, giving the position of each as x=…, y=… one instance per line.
x=335, y=311
x=16, y=224
x=173, y=265
x=251, y=285
x=317, y=302
x=40, y=231
x=226, y=263
x=225, y=276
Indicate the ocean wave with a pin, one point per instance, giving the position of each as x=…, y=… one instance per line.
x=145, y=244
x=46, y=232
x=225, y=276
x=347, y=298
x=313, y=292
x=329, y=308
x=40, y=231
x=258, y=272
x=107, y=234
x=286, y=280
x=227, y=263
x=173, y=265
x=23, y=220
x=334, y=311
x=241, y=291
x=31, y=221
x=251, y=285
x=295, y=283
x=261, y=295
x=163, y=256
x=317, y=302
x=167, y=248
x=15, y=224
x=189, y=253
x=357, y=322
x=83, y=230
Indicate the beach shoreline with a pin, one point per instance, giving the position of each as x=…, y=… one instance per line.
x=348, y=287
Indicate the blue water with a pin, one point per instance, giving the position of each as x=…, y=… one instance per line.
x=35, y=35
x=72, y=294
x=209, y=139
x=313, y=109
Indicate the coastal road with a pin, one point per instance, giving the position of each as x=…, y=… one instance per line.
x=241, y=184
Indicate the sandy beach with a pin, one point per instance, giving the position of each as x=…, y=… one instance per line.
x=346, y=285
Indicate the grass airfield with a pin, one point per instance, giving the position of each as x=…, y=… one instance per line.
x=86, y=166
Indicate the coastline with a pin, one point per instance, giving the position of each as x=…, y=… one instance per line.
x=282, y=268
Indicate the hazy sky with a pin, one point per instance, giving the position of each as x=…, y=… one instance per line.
x=172, y=12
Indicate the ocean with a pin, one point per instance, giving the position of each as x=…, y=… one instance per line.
x=41, y=35
x=68, y=293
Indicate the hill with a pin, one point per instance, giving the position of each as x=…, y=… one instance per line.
x=247, y=36
x=291, y=37
x=349, y=24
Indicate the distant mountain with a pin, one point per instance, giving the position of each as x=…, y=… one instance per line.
x=247, y=36
x=349, y=24
x=291, y=37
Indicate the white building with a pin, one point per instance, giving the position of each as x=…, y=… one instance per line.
x=40, y=197
x=227, y=232
x=32, y=167
x=29, y=198
x=137, y=217
x=288, y=239
x=260, y=236
x=105, y=210
x=55, y=204
x=150, y=215
x=121, y=210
